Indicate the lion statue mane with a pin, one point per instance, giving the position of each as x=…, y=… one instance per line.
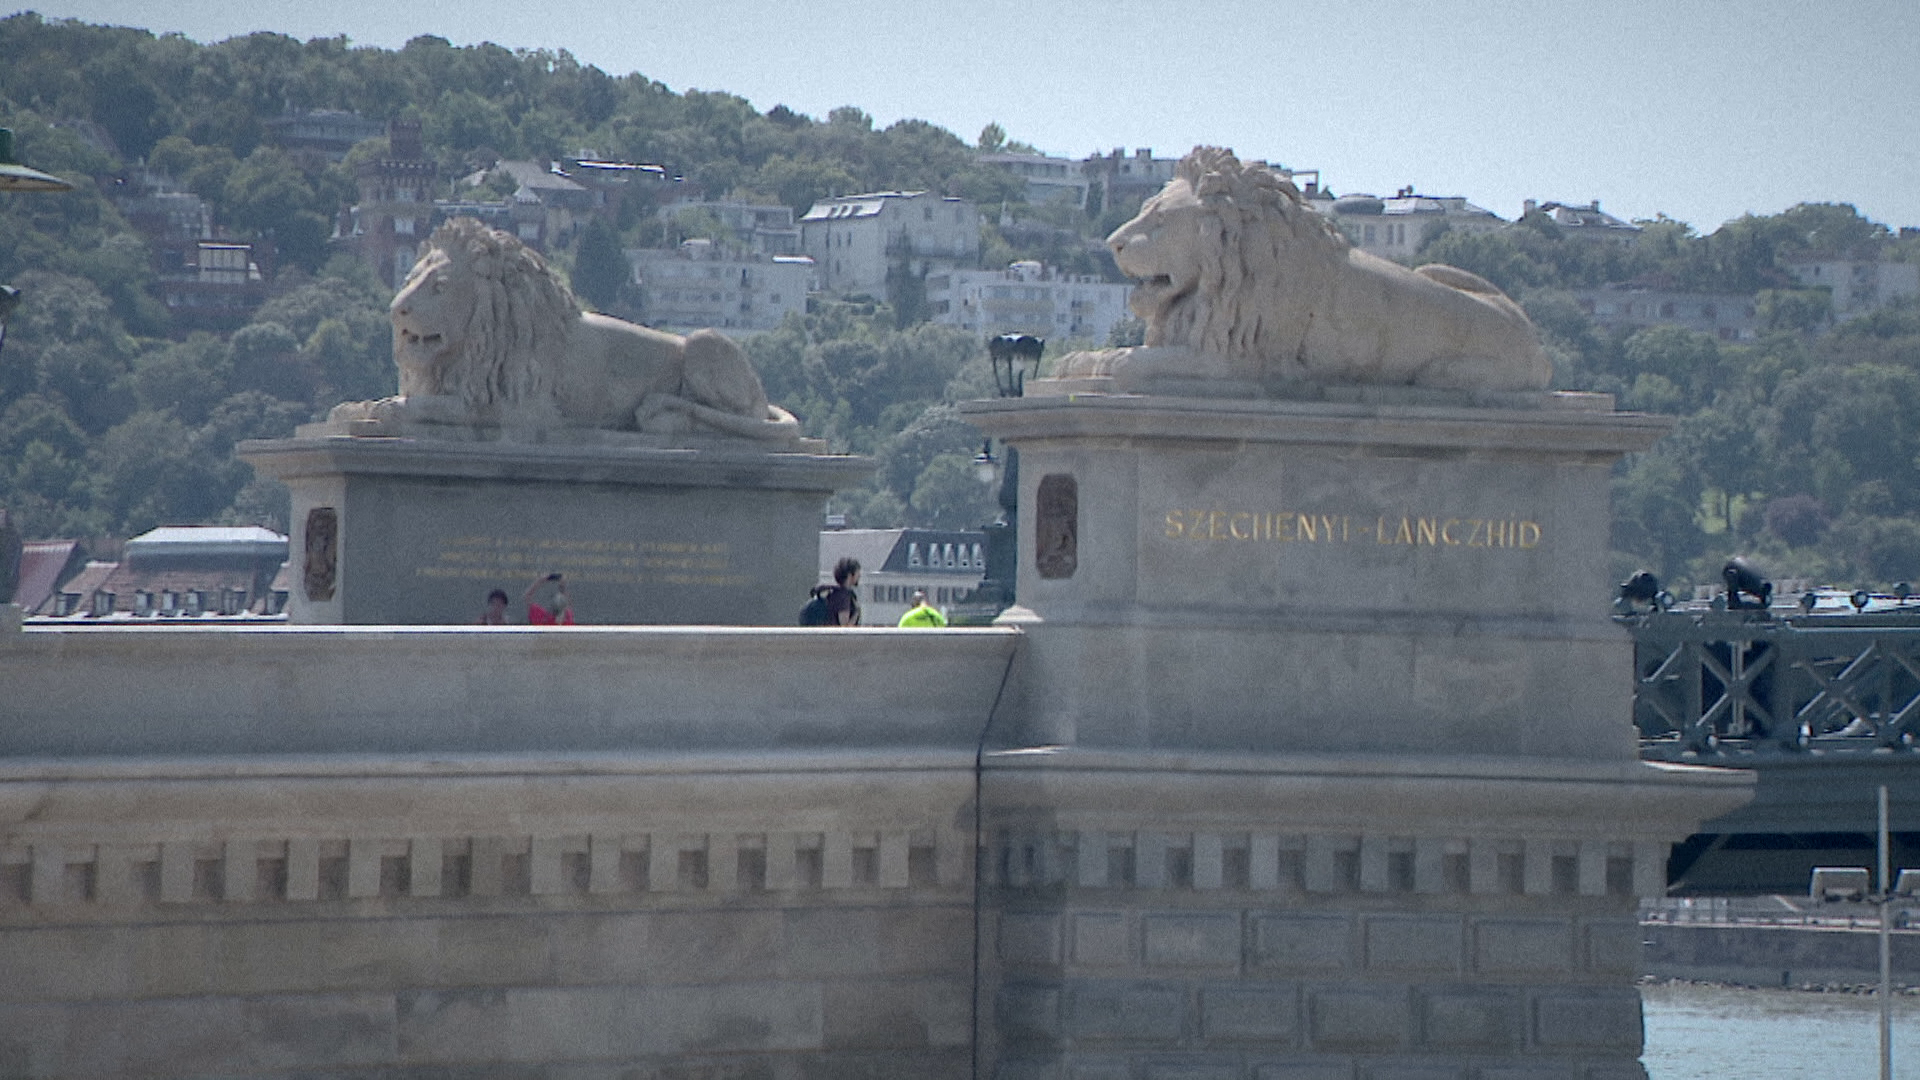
x=1233, y=270
x=485, y=334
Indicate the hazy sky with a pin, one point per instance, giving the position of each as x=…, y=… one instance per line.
x=1699, y=109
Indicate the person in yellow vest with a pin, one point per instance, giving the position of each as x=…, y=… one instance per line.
x=922, y=613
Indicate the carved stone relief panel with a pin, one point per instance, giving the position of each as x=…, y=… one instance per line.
x=1056, y=529
x=322, y=546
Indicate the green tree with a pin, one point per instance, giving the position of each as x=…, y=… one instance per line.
x=1686, y=359
x=186, y=378
x=599, y=267
x=801, y=182
x=1654, y=503
x=268, y=196
x=1794, y=309
x=266, y=357
x=153, y=470
x=947, y=495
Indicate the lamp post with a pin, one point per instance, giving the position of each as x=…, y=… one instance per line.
x=1849, y=882
x=1015, y=359
x=17, y=177
x=9, y=299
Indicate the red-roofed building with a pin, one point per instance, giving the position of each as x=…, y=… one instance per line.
x=46, y=565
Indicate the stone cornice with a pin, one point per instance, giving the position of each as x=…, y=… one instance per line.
x=1560, y=433
x=732, y=465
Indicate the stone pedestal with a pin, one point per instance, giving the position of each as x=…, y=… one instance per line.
x=399, y=530
x=1249, y=574
x=1324, y=765
x=1322, y=917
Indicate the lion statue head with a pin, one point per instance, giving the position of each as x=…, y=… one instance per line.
x=1197, y=247
x=477, y=317
x=1233, y=269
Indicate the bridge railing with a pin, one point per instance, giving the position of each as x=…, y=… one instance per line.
x=1749, y=682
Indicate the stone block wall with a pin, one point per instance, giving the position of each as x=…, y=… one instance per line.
x=833, y=938
x=700, y=871
x=1159, y=924
x=1280, y=991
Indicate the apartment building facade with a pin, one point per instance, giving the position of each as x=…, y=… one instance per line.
x=1028, y=298
x=855, y=240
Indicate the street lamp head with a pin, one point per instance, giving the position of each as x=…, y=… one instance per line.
x=1015, y=358
x=17, y=177
x=984, y=466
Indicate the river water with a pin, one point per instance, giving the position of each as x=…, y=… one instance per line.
x=1721, y=1033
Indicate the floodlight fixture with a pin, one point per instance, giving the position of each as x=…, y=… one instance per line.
x=1642, y=589
x=1744, y=579
x=1907, y=885
x=1849, y=884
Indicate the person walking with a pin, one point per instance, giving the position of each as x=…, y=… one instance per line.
x=843, y=603
x=922, y=613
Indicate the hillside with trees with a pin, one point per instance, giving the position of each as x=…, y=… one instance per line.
x=1795, y=447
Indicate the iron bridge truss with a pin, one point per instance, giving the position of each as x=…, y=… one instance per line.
x=1747, y=683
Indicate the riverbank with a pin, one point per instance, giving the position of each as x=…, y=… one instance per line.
x=1833, y=958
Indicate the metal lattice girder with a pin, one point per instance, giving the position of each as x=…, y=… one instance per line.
x=1736, y=687
x=1748, y=681
x=1837, y=691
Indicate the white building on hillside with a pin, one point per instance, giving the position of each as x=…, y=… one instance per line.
x=1049, y=179
x=764, y=230
x=1121, y=177
x=1858, y=285
x=1587, y=222
x=1027, y=298
x=855, y=239
x=1395, y=228
x=1727, y=316
x=698, y=285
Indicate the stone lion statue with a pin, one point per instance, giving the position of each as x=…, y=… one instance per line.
x=485, y=334
x=1236, y=275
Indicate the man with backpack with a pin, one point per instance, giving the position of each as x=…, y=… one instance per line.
x=843, y=602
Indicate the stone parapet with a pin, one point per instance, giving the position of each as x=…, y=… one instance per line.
x=185, y=691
